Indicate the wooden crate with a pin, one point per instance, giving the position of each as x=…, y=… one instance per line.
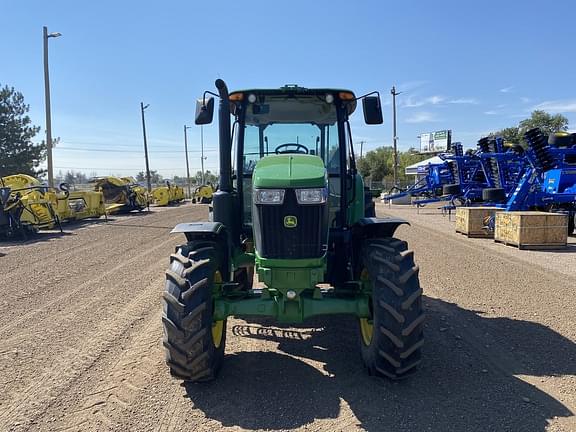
x=531, y=229
x=470, y=220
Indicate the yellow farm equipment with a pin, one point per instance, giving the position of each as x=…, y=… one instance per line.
x=169, y=194
x=121, y=194
x=203, y=194
x=27, y=205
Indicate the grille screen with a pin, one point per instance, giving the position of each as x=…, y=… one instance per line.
x=305, y=240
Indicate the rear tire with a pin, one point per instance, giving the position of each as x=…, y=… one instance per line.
x=451, y=189
x=493, y=194
x=393, y=346
x=194, y=344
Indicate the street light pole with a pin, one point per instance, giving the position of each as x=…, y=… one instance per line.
x=394, y=93
x=142, y=108
x=361, y=148
x=202, y=153
x=45, y=36
x=187, y=165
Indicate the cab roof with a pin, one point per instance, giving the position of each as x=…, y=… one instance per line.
x=295, y=90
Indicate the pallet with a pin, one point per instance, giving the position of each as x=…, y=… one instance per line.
x=532, y=230
x=476, y=235
x=470, y=221
x=547, y=246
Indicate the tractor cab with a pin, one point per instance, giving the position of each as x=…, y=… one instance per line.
x=293, y=149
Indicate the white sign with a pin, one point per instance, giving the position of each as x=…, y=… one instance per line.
x=435, y=142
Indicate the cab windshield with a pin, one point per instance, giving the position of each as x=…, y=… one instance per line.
x=283, y=124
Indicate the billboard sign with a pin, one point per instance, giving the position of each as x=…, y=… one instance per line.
x=435, y=142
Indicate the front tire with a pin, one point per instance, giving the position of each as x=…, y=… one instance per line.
x=194, y=343
x=391, y=341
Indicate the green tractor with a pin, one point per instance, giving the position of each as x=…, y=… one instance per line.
x=293, y=210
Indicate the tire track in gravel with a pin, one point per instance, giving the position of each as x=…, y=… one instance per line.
x=16, y=322
x=59, y=267
x=116, y=388
x=49, y=335
x=22, y=252
x=65, y=270
x=75, y=361
x=32, y=335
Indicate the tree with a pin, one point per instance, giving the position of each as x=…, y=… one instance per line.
x=73, y=177
x=18, y=154
x=155, y=178
x=209, y=177
x=378, y=164
x=548, y=123
x=511, y=134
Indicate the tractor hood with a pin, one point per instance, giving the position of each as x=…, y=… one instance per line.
x=289, y=170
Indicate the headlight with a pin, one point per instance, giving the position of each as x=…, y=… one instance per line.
x=269, y=196
x=311, y=196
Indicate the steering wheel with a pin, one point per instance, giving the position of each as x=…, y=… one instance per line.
x=299, y=148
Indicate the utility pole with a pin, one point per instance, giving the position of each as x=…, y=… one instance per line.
x=187, y=165
x=361, y=148
x=142, y=108
x=394, y=93
x=45, y=36
x=202, y=153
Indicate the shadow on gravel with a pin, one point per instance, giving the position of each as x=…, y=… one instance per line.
x=42, y=236
x=466, y=383
x=570, y=248
x=70, y=227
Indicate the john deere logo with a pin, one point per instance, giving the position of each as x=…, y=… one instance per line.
x=290, y=221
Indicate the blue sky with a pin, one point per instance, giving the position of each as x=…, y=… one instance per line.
x=472, y=67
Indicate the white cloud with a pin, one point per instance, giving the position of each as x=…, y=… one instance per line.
x=471, y=101
x=525, y=99
x=411, y=102
x=490, y=112
x=506, y=89
x=564, y=106
x=434, y=100
x=410, y=85
x=421, y=117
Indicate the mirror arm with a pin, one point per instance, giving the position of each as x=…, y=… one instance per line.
x=204, y=96
x=376, y=92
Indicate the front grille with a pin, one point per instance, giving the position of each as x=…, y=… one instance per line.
x=306, y=240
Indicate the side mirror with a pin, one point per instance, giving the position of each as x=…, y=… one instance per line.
x=372, y=110
x=204, y=111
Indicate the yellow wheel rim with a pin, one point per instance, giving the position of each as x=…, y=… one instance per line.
x=217, y=332
x=217, y=326
x=366, y=326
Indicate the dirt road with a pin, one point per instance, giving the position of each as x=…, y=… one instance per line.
x=80, y=342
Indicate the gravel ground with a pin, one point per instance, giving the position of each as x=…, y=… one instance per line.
x=80, y=342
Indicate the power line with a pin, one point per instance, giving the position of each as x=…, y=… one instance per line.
x=120, y=169
x=131, y=151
